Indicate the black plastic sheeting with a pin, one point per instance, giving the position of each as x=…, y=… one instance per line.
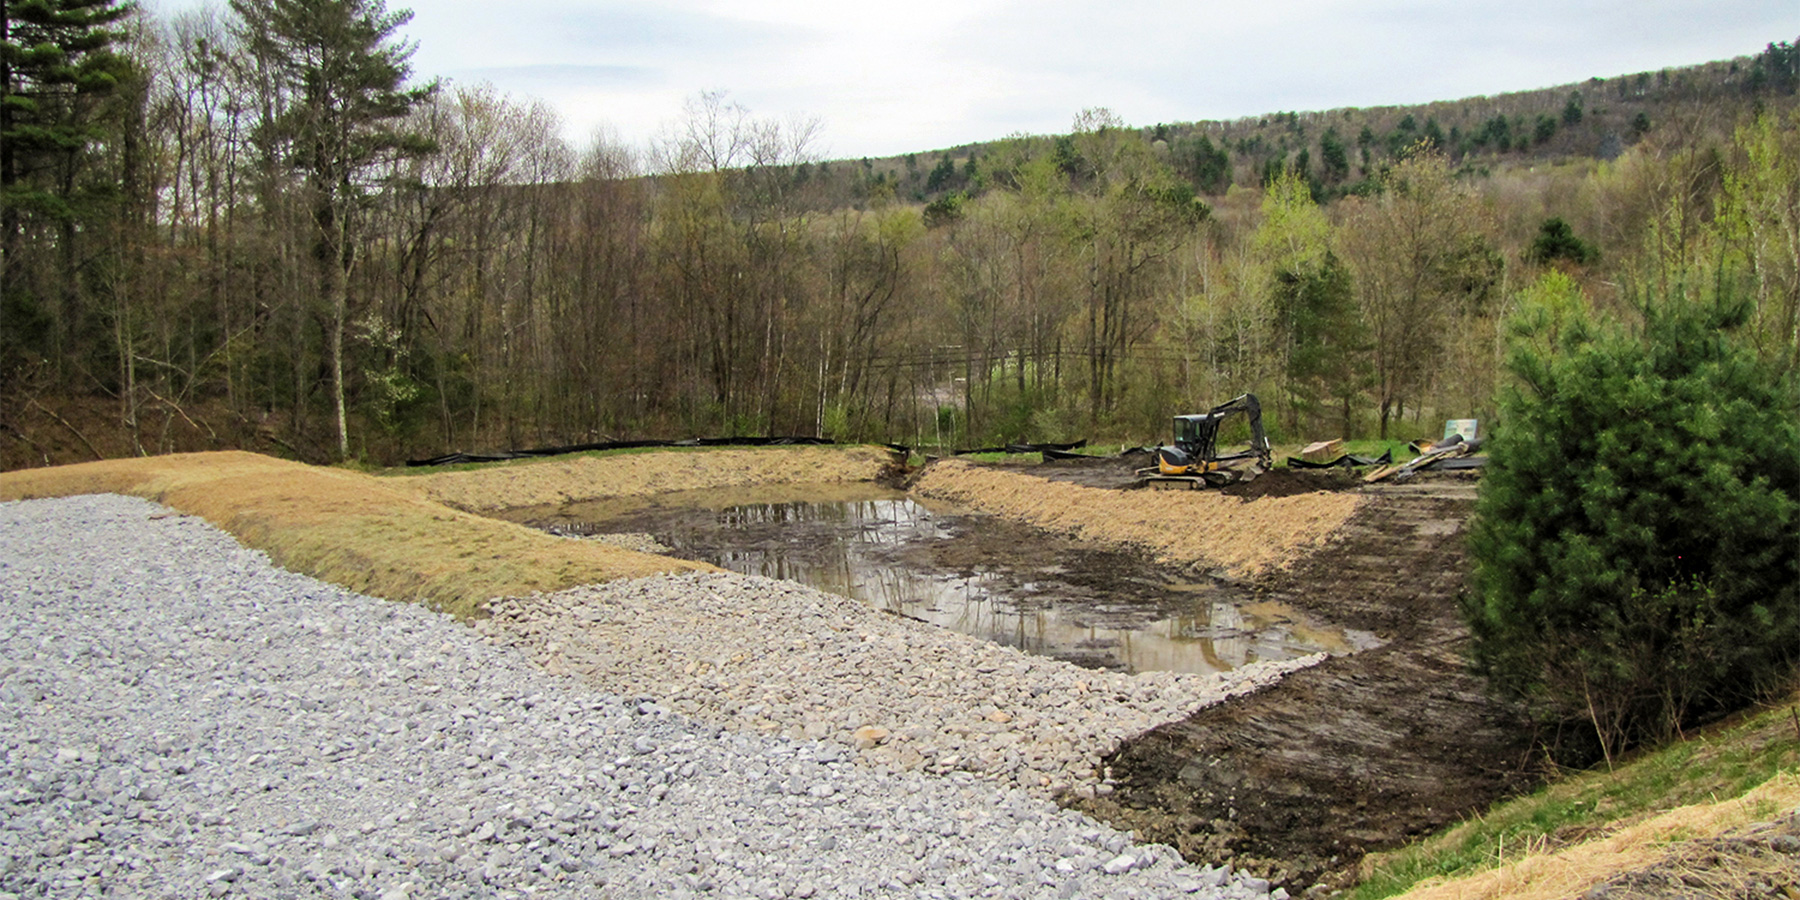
x=1346, y=461
x=1459, y=462
x=1026, y=448
x=454, y=458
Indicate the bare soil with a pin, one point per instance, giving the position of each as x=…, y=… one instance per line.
x=1119, y=473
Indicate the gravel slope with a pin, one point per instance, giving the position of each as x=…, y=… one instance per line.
x=765, y=656
x=178, y=718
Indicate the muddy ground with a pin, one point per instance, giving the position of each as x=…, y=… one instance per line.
x=1359, y=753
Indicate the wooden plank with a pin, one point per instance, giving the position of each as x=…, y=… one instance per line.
x=1323, y=451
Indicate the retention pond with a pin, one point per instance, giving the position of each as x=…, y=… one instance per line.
x=1096, y=607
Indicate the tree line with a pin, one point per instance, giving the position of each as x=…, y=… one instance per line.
x=256, y=223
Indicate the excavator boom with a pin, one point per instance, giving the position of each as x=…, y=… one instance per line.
x=1194, y=457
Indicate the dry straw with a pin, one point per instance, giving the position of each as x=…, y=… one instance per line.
x=1203, y=528
x=1574, y=870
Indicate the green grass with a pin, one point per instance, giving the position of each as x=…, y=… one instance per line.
x=1370, y=448
x=1374, y=448
x=999, y=457
x=1721, y=764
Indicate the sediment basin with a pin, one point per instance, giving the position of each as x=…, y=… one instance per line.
x=1051, y=595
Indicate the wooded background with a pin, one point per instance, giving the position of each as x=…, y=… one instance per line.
x=256, y=227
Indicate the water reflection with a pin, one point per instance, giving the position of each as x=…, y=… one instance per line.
x=858, y=548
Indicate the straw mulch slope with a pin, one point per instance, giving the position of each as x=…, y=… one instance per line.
x=564, y=479
x=1663, y=841
x=1207, y=528
x=355, y=530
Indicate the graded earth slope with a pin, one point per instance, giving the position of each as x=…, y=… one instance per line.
x=180, y=719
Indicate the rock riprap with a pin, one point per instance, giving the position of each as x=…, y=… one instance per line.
x=775, y=657
x=180, y=719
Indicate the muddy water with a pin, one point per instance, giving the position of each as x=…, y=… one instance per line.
x=975, y=574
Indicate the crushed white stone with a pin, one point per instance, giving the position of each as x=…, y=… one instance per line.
x=757, y=654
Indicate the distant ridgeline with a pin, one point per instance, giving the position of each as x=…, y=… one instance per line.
x=1341, y=150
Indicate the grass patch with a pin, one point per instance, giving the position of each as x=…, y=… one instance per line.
x=1017, y=459
x=1375, y=448
x=1723, y=763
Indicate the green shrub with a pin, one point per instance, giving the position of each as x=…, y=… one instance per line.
x=1637, y=540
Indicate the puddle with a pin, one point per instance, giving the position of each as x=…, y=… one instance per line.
x=978, y=575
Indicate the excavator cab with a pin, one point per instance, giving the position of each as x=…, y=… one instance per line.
x=1195, y=450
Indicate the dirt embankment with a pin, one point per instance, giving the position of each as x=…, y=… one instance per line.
x=1203, y=529
x=565, y=479
x=351, y=529
x=1359, y=753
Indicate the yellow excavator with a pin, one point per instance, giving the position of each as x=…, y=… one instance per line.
x=1193, y=461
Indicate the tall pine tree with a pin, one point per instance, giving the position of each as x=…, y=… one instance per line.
x=339, y=73
x=56, y=66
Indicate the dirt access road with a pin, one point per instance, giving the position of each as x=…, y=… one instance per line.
x=1358, y=753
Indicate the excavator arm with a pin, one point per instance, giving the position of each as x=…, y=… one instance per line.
x=1195, y=450
x=1248, y=405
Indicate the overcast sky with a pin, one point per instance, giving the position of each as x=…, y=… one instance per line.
x=887, y=78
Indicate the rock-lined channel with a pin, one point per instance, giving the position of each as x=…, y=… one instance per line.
x=179, y=718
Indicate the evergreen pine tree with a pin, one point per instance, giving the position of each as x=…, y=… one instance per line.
x=56, y=66
x=341, y=75
x=1636, y=536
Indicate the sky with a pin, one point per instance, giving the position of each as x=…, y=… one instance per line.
x=885, y=78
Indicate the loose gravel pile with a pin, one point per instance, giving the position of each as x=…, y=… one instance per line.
x=180, y=719
x=774, y=657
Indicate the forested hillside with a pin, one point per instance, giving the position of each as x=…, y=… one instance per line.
x=257, y=227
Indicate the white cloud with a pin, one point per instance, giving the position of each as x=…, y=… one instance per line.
x=890, y=78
